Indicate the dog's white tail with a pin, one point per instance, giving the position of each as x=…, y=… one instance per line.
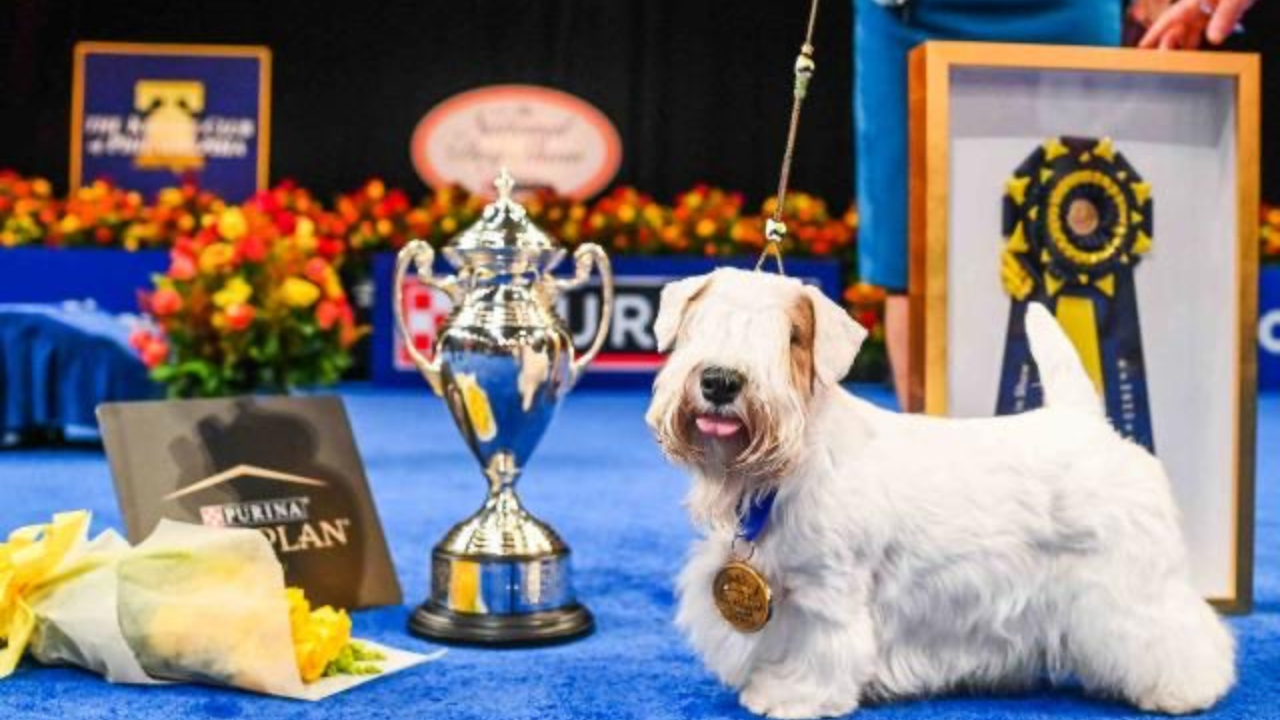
x=1066, y=385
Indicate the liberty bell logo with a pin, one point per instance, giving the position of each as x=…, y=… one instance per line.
x=170, y=131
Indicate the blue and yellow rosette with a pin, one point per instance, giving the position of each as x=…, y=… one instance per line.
x=1077, y=220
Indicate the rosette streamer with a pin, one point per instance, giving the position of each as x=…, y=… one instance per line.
x=1077, y=220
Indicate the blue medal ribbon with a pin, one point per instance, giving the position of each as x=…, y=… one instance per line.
x=1077, y=221
x=753, y=522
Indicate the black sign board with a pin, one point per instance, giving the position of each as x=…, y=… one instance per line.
x=287, y=466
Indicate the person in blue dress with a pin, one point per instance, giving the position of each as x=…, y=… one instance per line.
x=885, y=31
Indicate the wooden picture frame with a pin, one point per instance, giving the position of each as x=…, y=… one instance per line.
x=939, y=221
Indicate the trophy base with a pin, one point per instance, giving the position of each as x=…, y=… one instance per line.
x=544, y=627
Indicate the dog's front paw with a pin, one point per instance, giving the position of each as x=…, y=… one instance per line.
x=792, y=701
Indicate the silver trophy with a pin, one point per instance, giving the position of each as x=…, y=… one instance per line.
x=502, y=361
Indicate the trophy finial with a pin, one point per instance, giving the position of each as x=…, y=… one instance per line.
x=505, y=184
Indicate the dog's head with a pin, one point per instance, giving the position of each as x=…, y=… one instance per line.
x=751, y=354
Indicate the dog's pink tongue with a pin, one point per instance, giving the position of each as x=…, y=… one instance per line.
x=718, y=426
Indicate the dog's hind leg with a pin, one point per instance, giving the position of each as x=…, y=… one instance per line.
x=1164, y=651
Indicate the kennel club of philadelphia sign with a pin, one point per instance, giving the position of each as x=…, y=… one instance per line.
x=148, y=116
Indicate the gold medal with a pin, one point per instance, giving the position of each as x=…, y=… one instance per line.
x=743, y=597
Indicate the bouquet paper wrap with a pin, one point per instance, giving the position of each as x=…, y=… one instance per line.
x=188, y=603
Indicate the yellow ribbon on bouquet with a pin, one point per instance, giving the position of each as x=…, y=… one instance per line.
x=30, y=558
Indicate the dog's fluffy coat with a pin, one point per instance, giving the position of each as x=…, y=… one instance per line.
x=911, y=555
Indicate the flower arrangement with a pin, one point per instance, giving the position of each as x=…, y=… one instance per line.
x=376, y=218
x=1270, y=233
x=704, y=221
x=245, y=306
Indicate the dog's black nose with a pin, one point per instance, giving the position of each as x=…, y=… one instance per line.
x=721, y=385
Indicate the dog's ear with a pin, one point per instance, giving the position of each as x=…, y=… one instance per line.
x=675, y=299
x=836, y=337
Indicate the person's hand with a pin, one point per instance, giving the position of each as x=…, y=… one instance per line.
x=1145, y=12
x=1186, y=22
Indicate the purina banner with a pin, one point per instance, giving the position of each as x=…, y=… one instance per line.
x=147, y=116
x=630, y=355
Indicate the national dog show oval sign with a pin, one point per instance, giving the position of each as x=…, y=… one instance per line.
x=543, y=136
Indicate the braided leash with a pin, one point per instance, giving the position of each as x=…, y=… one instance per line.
x=775, y=230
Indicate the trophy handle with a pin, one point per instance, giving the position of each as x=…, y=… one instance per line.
x=420, y=253
x=584, y=258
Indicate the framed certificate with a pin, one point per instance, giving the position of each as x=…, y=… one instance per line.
x=1120, y=189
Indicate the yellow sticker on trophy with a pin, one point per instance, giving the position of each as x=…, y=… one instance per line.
x=476, y=403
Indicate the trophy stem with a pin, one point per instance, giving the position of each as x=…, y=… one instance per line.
x=502, y=473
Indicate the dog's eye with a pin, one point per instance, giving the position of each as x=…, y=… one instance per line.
x=795, y=336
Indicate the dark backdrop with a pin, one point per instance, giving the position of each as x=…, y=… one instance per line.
x=699, y=89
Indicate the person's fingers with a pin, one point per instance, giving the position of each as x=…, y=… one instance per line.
x=1167, y=20
x=1225, y=17
x=1169, y=41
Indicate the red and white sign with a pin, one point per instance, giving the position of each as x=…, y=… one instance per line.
x=544, y=137
x=425, y=310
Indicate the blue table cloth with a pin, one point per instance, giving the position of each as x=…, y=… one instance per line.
x=57, y=362
x=599, y=479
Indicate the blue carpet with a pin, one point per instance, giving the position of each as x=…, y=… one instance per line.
x=599, y=479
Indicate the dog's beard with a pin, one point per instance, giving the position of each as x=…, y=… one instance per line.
x=730, y=469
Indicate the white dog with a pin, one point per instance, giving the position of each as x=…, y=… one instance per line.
x=910, y=555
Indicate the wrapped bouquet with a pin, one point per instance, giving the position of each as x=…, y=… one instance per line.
x=189, y=603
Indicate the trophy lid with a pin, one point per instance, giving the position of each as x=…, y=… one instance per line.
x=504, y=238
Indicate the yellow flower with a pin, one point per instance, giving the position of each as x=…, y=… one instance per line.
x=30, y=557
x=706, y=227
x=232, y=224
x=299, y=293
x=69, y=224
x=384, y=227
x=235, y=290
x=170, y=196
x=318, y=635
x=216, y=257
x=626, y=213
x=41, y=188
x=305, y=228
x=333, y=286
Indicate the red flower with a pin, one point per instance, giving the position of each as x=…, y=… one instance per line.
x=317, y=270
x=103, y=235
x=181, y=265
x=329, y=247
x=165, y=301
x=251, y=248
x=239, y=316
x=139, y=339
x=287, y=222
x=155, y=352
x=328, y=313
